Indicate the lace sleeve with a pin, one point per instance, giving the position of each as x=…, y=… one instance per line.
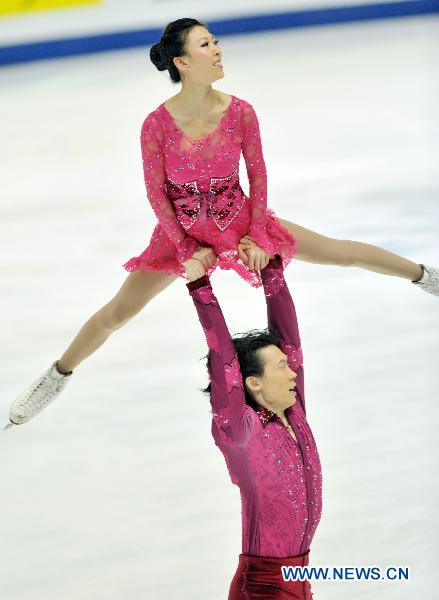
x=257, y=176
x=282, y=317
x=155, y=178
x=227, y=395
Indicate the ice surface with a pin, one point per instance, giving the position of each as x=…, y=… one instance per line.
x=117, y=489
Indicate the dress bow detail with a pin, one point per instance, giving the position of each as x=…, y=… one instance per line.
x=206, y=199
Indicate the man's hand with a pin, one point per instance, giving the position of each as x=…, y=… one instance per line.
x=193, y=269
x=205, y=255
x=247, y=242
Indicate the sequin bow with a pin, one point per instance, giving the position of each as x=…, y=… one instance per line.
x=206, y=198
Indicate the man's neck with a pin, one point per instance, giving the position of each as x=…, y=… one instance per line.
x=282, y=417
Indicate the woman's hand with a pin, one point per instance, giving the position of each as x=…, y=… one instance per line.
x=257, y=259
x=193, y=269
x=205, y=255
x=251, y=255
x=245, y=243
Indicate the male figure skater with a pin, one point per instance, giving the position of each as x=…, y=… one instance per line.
x=259, y=424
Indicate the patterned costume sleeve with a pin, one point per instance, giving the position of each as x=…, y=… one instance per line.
x=155, y=178
x=257, y=176
x=227, y=396
x=281, y=316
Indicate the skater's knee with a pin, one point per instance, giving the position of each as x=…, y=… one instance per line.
x=139, y=288
x=115, y=314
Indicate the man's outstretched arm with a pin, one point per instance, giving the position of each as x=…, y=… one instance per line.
x=227, y=393
x=282, y=317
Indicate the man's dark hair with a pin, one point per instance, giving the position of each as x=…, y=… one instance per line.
x=250, y=360
x=171, y=45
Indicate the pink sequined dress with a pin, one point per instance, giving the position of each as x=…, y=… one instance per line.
x=280, y=480
x=194, y=189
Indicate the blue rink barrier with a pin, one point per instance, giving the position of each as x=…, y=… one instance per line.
x=49, y=49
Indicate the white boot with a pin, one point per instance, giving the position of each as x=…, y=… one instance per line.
x=429, y=280
x=37, y=396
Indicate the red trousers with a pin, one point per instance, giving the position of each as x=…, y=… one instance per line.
x=260, y=578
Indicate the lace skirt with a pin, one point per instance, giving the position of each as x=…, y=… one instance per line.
x=161, y=254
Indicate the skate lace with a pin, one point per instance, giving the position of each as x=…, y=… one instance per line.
x=41, y=394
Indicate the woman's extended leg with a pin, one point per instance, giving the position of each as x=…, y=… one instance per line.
x=315, y=248
x=137, y=290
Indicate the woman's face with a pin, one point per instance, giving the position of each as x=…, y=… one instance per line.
x=202, y=60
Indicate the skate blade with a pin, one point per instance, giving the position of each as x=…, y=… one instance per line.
x=8, y=426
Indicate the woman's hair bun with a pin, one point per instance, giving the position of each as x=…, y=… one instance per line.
x=171, y=45
x=157, y=58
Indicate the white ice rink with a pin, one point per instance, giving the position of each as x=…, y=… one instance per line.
x=117, y=490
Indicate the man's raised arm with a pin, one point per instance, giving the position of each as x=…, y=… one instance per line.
x=227, y=393
x=281, y=316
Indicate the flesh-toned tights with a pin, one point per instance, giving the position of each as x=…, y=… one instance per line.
x=142, y=285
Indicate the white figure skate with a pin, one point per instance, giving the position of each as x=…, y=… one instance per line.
x=429, y=281
x=37, y=396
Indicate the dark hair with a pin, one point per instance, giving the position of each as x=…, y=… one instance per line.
x=250, y=361
x=171, y=45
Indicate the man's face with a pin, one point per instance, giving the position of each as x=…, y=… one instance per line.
x=277, y=380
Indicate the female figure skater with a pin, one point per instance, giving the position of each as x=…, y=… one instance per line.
x=259, y=423
x=191, y=146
